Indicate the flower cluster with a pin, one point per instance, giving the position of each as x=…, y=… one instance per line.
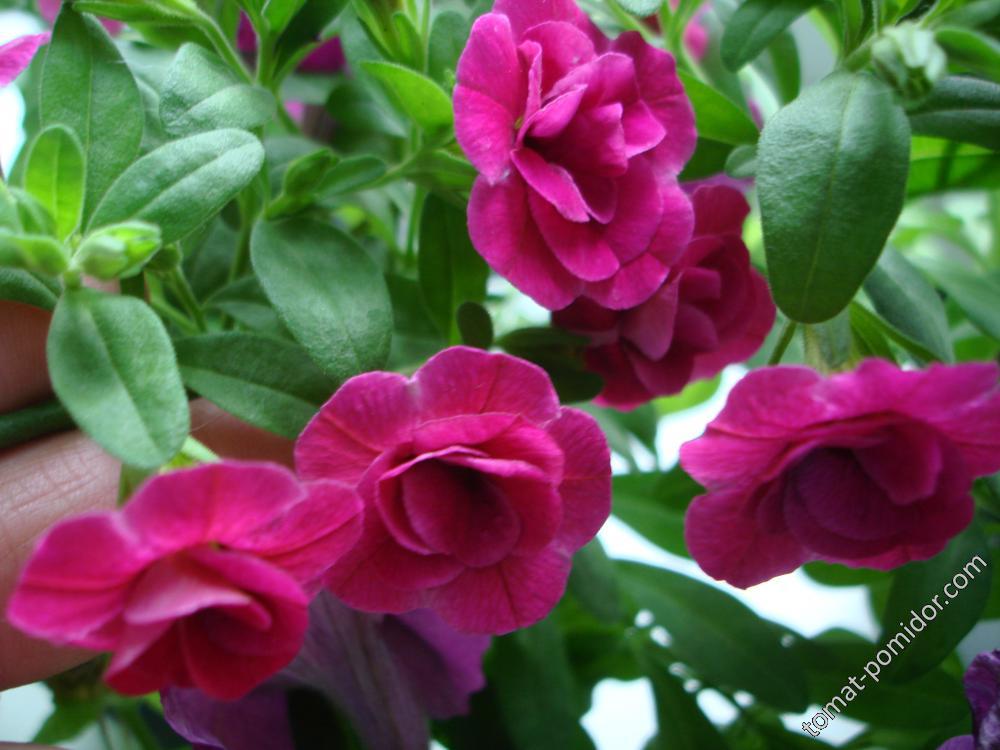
x=464, y=490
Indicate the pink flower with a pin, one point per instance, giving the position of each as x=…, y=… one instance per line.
x=578, y=141
x=50, y=11
x=202, y=580
x=477, y=487
x=870, y=468
x=17, y=55
x=714, y=309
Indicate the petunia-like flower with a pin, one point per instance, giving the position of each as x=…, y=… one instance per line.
x=871, y=468
x=578, y=140
x=50, y=11
x=202, y=580
x=17, y=55
x=982, y=686
x=714, y=309
x=386, y=674
x=477, y=485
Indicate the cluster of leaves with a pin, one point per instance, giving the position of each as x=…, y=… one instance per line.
x=259, y=268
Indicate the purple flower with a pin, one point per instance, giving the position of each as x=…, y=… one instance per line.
x=871, y=468
x=982, y=686
x=578, y=140
x=17, y=55
x=386, y=674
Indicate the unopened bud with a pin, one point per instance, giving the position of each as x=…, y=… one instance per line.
x=909, y=59
x=118, y=251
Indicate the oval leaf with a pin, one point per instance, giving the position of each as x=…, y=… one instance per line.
x=87, y=87
x=327, y=291
x=681, y=723
x=422, y=100
x=717, y=117
x=183, y=184
x=269, y=383
x=55, y=177
x=754, y=25
x=200, y=93
x=821, y=162
x=962, y=109
x=720, y=637
x=113, y=367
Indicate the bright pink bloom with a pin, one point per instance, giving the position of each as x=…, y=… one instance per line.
x=477, y=486
x=714, y=309
x=870, y=468
x=202, y=580
x=17, y=55
x=50, y=11
x=578, y=141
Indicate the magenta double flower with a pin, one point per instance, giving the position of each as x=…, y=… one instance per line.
x=578, y=140
x=871, y=468
x=477, y=486
x=17, y=55
x=202, y=580
x=714, y=309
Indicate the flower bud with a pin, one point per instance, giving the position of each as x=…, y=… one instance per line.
x=119, y=250
x=909, y=59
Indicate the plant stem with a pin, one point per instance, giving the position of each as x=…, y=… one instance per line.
x=187, y=298
x=33, y=422
x=786, y=338
x=221, y=44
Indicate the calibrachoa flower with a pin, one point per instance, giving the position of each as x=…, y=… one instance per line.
x=17, y=55
x=385, y=673
x=578, y=140
x=714, y=309
x=982, y=686
x=202, y=580
x=478, y=487
x=870, y=468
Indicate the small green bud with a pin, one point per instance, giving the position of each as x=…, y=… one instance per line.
x=34, y=252
x=909, y=59
x=118, y=251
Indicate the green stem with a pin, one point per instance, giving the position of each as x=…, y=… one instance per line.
x=786, y=338
x=33, y=422
x=221, y=44
x=169, y=313
x=182, y=288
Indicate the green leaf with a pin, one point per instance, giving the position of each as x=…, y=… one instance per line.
x=962, y=109
x=304, y=27
x=267, y=382
x=681, y=723
x=449, y=33
x=641, y=8
x=422, y=100
x=594, y=584
x=755, y=24
x=933, y=700
x=55, y=176
x=327, y=291
x=938, y=165
x=831, y=574
x=558, y=353
x=351, y=174
x=717, y=118
x=720, y=637
x=279, y=13
x=87, y=87
x=534, y=686
x=921, y=585
x=870, y=333
x=975, y=293
x=977, y=52
x=475, y=326
x=300, y=181
x=783, y=55
x=33, y=252
x=819, y=162
x=451, y=271
x=184, y=183
x=903, y=297
x=17, y=285
x=69, y=718
x=113, y=367
x=654, y=505
x=201, y=93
